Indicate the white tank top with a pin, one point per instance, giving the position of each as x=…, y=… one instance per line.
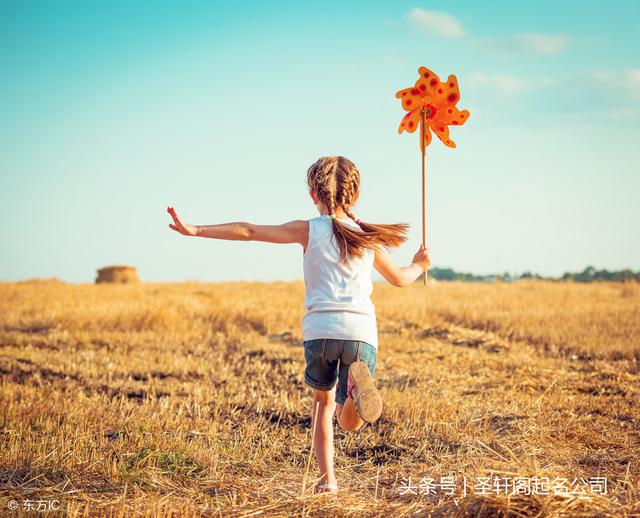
x=338, y=296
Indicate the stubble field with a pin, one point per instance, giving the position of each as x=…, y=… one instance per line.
x=188, y=399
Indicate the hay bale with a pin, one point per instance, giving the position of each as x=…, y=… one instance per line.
x=118, y=274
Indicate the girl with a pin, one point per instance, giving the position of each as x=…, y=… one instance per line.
x=339, y=329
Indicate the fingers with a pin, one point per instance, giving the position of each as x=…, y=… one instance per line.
x=177, y=220
x=175, y=217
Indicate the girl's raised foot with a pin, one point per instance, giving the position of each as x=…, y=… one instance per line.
x=363, y=391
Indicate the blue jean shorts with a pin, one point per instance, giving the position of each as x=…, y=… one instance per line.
x=328, y=361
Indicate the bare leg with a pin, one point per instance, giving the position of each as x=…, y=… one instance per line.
x=323, y=440
x=348, y=416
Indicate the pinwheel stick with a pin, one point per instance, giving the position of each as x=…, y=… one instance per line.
x=423, y=126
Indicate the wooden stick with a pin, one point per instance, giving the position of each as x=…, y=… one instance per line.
x=314, y=418
x=423, y=128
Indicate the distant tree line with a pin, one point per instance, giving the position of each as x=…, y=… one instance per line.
x=589, y=274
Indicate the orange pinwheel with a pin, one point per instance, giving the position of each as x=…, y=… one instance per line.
x=431, y=104
x=437, y=101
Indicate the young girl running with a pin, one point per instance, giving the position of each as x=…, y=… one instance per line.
x=339, y=328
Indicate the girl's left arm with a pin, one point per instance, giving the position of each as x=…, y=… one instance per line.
x=296, y=231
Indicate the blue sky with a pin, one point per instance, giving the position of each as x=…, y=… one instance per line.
x=111, y=111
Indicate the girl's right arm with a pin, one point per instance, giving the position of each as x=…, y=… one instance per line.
x=402, y=275
x=292, y=232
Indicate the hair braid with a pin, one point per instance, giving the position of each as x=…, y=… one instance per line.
x=332, y=202
x=350, y=214
x=336, y=182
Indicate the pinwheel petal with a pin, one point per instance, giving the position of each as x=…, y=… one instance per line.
x=427, y=82
x=450, y=91
x=452, y=115
x=425, y=73
x=410, y=97
x=401, y=93
x=442, y=131
x=410, y=122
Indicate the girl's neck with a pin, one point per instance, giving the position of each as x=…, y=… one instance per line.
x=339, y=213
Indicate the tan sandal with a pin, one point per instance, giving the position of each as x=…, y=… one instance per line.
x=367, y=398
x=326, y=488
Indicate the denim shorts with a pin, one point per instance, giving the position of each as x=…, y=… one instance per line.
x=328, y=361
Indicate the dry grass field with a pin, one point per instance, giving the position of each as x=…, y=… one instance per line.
x=188, y=399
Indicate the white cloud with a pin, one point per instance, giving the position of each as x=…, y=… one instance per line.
x=503, y=83
x=445, y=25
x=628, y=80
x=507, y=85
x=539, y=43
x=633, y=80
x=518, y=44
x=437, y=23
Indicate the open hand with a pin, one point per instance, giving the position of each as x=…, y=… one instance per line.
x=179, y=226
x=422, y=258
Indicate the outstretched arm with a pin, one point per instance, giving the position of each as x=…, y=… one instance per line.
x=296, y=231
x=402, y=275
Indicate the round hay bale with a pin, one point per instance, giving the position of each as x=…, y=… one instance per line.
x=118, y=274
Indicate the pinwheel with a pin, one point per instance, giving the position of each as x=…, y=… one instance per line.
x=431, y=104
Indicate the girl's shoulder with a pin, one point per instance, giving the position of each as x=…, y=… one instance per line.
x=317, y=227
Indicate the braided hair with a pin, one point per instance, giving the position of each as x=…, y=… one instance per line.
x=336, y=182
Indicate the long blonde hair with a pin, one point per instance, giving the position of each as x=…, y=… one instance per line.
x=336, y=182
